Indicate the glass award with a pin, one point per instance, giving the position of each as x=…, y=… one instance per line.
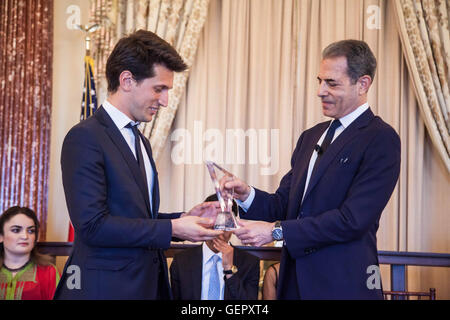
x=225, y=219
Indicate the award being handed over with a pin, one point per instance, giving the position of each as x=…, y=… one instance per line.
x=225, y=219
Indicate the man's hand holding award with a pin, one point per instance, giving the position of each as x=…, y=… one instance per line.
x=254, y=233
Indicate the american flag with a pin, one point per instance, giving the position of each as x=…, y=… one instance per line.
x=89, y=102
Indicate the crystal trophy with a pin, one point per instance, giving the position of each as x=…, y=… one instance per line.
x=225, y=219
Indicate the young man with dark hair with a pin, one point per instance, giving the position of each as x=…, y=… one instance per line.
x=111, y=183
x=139, y=53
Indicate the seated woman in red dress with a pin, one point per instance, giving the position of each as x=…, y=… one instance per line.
x=24, y=273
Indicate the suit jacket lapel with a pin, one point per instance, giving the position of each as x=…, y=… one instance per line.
x=196, y=272
x=117, y=138
x=301, y=171
x=332, y=151
x=239, y=263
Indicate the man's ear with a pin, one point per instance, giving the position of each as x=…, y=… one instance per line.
x=364, y=84
x=126, y=81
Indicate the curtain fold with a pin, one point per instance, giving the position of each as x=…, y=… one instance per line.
x=424, y=32
x=26, y=49
x=179, y=22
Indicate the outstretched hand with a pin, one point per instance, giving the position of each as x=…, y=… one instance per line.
x=205, y=210
x=254, y=233
x=235, y=186
x=193, y=228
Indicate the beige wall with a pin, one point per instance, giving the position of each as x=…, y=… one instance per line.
x=68, y=73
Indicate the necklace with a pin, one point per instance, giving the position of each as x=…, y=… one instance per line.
x=16, y=269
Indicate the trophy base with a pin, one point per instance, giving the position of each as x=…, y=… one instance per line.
x=225, y=222
x=224, y=228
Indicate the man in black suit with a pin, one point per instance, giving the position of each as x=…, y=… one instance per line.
x=191, y=272
x=328, y=206
x=236, y=272
x=111, y=183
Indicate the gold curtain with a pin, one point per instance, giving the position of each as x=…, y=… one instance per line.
x=424, y=31
x=179, y=22
x=26, y=48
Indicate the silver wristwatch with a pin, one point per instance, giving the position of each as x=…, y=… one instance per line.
x=277, y=231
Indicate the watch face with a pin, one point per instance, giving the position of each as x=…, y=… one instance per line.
x=277, y=234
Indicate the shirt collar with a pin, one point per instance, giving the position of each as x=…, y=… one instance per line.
x=348, y=119
x=119, y=118
x=208, y=253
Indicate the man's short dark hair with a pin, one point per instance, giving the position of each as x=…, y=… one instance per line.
x=138, y=53
x=360, y=59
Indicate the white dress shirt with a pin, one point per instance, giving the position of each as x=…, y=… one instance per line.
x=121, y=120
x=345, y=122
x=206, y=271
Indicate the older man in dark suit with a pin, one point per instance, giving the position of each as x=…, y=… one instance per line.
x=111, y=183
x=328, y=206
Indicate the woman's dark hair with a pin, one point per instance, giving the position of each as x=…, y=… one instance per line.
x=360, y=59
x=35, y=256
x=138, y=53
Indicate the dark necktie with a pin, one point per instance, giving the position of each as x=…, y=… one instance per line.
x=137, y=146
x=140, y=158
x=326, y=142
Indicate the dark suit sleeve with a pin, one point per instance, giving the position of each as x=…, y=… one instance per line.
x=169, y=216
x=175, y=279
x=85, y=186
x=367, y=196
x=244, y=286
